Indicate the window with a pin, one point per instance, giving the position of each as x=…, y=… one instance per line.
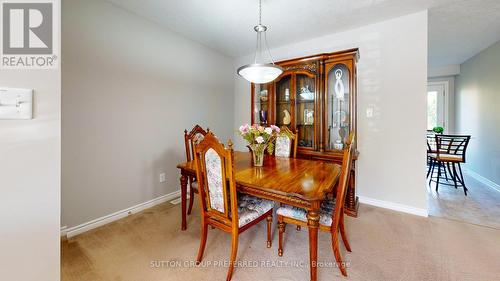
x=436, y=105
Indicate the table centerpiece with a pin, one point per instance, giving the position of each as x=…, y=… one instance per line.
x=259, y=138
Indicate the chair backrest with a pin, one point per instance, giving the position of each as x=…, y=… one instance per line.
x=286, y=143
x=343, y=182
x=214, y=165
x=194, y=137
x=431, y=142
x=452, y=144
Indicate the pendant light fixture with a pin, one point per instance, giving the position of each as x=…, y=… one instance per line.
x=260, y=72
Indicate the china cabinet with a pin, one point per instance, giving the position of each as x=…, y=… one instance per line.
x=316, y=96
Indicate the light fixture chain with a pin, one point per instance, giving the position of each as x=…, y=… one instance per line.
x=260, y=12
x=256, y=48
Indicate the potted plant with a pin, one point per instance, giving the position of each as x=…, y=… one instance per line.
x=438, y=130
x=259, y=138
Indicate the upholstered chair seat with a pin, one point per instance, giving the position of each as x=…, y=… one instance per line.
x=447, y=157
x=250, y=208
x=326, y=212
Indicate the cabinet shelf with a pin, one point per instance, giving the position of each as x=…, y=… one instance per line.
x=305, y=101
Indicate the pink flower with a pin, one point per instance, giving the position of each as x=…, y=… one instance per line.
x=259, y=139
x=244, y=129
x=268, y=130
x=275, y=128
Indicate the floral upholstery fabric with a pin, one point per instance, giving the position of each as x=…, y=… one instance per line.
x=250, y=208
x=283, y=146
x=325, y=214
x=198, y=138
x=214, y=180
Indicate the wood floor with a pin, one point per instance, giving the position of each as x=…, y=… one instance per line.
x=386, y=246
x=481, y=205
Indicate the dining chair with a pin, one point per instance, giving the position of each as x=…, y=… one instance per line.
x=192, y=138
x=449, y=154
x=221, y=206
x=331, y=212
x=286, y=143
x=431, y=151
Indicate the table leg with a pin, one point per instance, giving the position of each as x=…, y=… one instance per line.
x=313, y=224
x=184, y=182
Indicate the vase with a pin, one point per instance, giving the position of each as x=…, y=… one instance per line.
x=258, y=154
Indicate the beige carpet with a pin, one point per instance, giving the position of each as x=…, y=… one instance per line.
x=386, y=246
x=480, y=206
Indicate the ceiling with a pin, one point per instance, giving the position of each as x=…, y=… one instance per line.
x=458, y=29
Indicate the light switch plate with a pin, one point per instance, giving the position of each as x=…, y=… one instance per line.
x=16, y=104
x=163, y=177
x=369, y=112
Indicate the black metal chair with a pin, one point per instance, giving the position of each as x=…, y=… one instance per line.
x=431, y=151
x=449, y=153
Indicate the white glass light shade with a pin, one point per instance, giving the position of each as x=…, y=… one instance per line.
x=259, y=73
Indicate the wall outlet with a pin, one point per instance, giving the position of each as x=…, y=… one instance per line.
x=163, y=177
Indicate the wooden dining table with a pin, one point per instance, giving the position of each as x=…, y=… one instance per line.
x=296, y=182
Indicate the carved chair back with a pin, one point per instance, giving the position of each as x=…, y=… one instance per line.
x=343, y=182
x=286, y=143
x=214, y=164
x=192, y=138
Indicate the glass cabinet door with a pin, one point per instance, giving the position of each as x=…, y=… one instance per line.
x=261, y=104
x=338, y=106
x=283, y=105
x=304, y=109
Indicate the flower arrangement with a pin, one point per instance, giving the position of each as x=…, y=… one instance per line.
x=259, y=138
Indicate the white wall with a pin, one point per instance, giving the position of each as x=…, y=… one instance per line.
x=30, y=156
x=130, y=88
x=392, y=77
x=477, y=111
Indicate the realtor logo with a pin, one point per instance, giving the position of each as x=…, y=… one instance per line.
x=28, y=35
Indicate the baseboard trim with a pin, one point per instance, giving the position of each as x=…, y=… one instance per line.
x=69, y=232
x=64, y=231
x=491, y=184
x=394, y=206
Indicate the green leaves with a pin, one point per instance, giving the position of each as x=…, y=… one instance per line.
x=438, y=130
x=270, y=148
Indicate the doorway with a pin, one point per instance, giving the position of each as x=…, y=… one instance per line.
x=437, y=105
